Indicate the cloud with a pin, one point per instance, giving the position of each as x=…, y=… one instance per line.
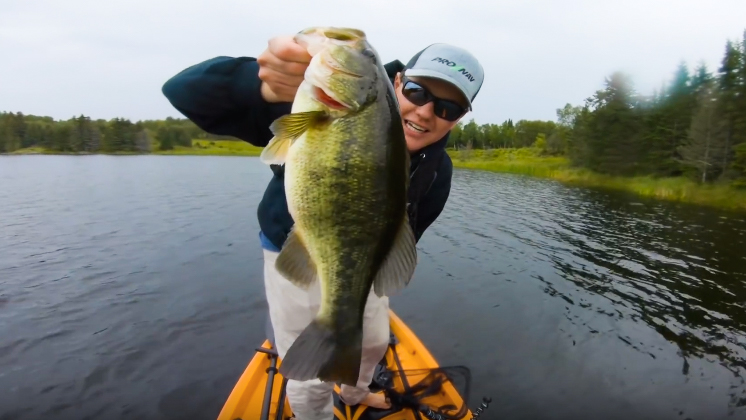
x=110, y=58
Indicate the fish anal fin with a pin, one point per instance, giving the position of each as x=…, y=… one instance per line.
x=399, y=265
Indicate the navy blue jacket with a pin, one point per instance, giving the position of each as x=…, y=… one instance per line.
x=222, y=96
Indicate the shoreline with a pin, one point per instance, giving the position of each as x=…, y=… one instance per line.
x=513, y=161
x=199, y=148
x=676, y=189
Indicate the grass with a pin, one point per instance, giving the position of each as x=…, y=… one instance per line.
x=213, y=148
x=30, y=151
x=40, y=151
x=199, y=147
x=525, y=161
x=528, y=162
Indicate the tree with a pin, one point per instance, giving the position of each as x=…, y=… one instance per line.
x=704, y=147
x=142, y=141
x=527, y=131
x=165, y=138
x=610, y=133
x=729, y=84
x=469, y=134
x=507, y=134
x=739, y=166
x=455, y=137
x=540, y=143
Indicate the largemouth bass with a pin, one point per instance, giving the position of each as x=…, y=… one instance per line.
x=346, y=179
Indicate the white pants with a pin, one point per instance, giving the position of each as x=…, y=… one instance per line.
x=291, y=309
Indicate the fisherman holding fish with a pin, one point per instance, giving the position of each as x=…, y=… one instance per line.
x=357, y=150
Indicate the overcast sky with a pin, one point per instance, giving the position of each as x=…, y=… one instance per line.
x=109, y=58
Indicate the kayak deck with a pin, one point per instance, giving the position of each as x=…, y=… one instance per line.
x=406, y=365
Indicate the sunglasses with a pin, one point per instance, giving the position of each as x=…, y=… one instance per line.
x=444, y=108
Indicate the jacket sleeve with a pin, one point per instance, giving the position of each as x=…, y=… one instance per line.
x=434, y=201
x=222, y=96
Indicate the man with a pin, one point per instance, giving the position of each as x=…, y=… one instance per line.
x=242, y=96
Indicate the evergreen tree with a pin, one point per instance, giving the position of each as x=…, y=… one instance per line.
x=739, y=166
x=612, y=130
x=729, y=83
x=704, y=147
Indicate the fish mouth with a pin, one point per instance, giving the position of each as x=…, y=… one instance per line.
x=316, y=39
x=329, y=100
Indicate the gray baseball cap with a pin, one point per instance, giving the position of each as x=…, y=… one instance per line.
x=451, y=64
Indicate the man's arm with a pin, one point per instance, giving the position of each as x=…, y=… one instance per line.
x=222, y=96
x=434, y=201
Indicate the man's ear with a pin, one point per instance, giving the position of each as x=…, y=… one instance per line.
x=397, y=80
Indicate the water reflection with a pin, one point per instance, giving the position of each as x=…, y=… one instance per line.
x=680, y=270
x=121, y=271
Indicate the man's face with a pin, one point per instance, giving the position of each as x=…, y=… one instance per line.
x=421, y=127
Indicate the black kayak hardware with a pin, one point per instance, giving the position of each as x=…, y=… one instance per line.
x=410, y=398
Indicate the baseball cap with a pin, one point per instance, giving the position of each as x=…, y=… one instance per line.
x=451, y=64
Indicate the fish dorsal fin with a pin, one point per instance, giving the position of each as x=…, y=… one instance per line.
x=286, y=130
x=398, y=267
x=294, y=263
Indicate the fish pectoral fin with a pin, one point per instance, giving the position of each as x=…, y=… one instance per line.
x=294, y=262
x=275, y=151
x=400, y=263
x=291, y=126
x=286, y=130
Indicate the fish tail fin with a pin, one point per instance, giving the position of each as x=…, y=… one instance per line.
x=318, y=353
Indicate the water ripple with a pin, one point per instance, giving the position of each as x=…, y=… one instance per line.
x=661, y=266
x=130, y=287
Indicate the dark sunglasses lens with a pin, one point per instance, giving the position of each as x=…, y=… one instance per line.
x=419, y=96
x=415, y=93
x=448, y=110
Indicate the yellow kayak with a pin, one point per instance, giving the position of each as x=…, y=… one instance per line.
x=418, y=387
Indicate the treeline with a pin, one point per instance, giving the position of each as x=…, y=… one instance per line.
x=695, y=126
x=83, y=135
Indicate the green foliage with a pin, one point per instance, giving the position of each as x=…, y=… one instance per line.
x=33, y=134
x=693, y=126
x=739, y=166
x=540, y=143
x=214, y=148
x=704, y=147
x=493, y=136
x=173, y=136
x=685, y=142
x=526, y=161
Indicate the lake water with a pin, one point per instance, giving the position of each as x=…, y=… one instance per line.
x=130, y=287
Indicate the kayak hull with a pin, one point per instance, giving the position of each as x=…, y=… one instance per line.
x=249, y=397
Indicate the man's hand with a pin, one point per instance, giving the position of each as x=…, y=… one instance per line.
x=281, y=69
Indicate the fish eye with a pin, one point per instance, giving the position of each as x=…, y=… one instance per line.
x=370, y=54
